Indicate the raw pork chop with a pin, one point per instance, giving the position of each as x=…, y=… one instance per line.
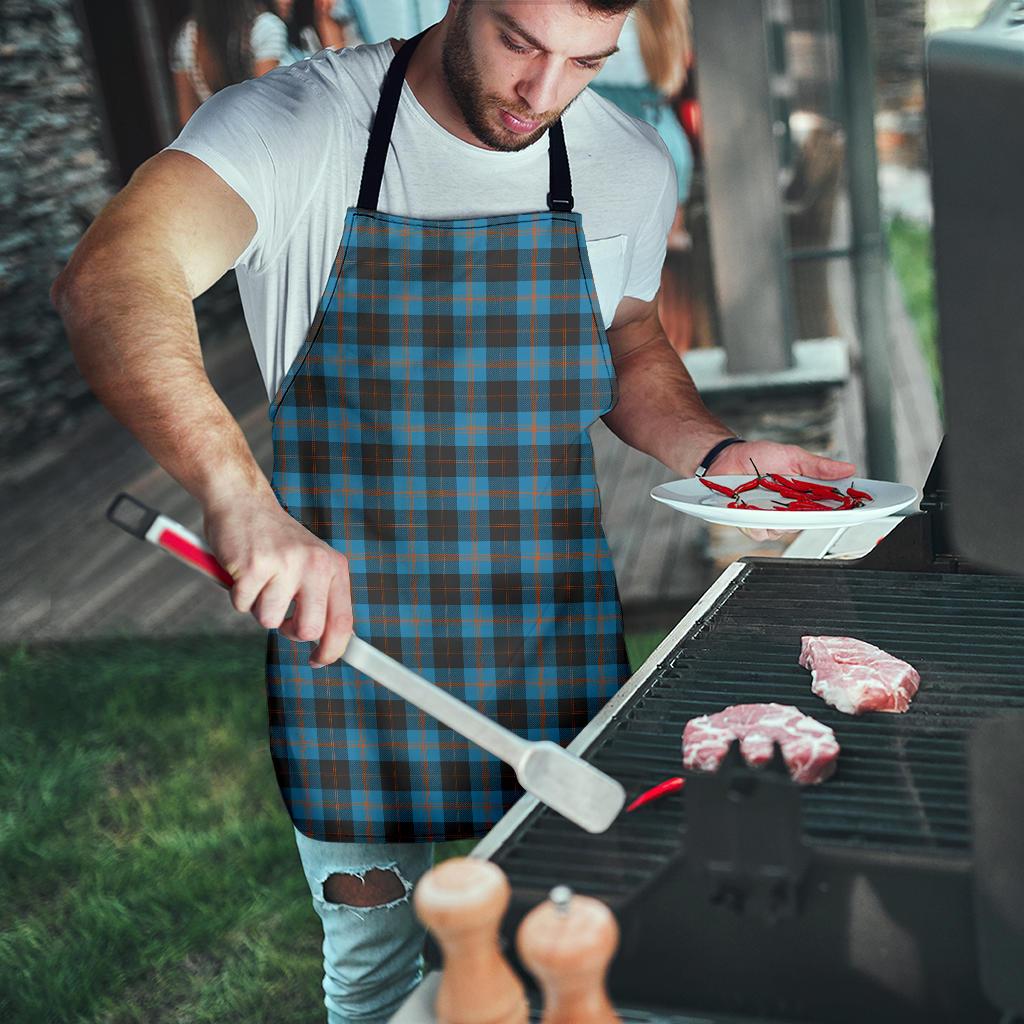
x=808, y=747
x=855, y=677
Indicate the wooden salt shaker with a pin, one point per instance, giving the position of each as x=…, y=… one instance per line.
x=462, y=902
x=567, y=943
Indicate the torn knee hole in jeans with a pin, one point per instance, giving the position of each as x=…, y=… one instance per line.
x=375, y=888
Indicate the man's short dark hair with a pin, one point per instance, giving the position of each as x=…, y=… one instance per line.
x=608, y=7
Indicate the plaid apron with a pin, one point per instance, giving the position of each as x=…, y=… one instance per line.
x=433, y=429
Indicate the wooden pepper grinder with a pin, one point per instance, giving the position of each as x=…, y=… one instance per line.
x=462, y=902
x=567, y=943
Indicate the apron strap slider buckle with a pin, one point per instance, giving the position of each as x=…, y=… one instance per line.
x=560, y=205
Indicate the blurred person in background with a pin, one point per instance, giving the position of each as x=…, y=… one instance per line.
x=645, y=78
x=373, y=21
x=313, y=25
x=221, y=43
x=647, y=75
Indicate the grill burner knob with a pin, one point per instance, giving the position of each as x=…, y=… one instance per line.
x=567, y=943
x=462, y=902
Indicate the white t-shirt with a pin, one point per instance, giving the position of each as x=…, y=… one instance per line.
x=292, y=144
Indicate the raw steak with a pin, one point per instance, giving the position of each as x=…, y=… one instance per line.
x=855, y=677
x=808, y=747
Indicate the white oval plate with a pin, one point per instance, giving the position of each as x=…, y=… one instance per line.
x=693, y=498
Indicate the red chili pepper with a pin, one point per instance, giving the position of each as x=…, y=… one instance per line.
x=760, y=477
x=862, y=495
x=811, y=485
x=786, y=492
x=807, y=505
x=668, y=786
x=815, y=490
x=750, y=485
x=721, y=489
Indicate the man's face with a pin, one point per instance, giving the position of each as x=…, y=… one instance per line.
x=513, y=66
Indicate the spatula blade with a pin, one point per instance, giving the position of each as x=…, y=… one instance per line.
x=571, y=786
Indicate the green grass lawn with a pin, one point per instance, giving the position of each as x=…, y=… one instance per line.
x=910, y=248
x=147, y=867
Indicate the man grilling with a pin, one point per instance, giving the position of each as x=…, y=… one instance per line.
x=440, y=308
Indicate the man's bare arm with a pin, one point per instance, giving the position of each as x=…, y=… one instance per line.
x=659, y=410
x=661, y=413
x=126, y=300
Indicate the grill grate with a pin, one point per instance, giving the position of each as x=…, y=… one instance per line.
x=901, y=785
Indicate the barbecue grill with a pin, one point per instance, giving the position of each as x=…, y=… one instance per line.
x=895, y=890
x=746, y=896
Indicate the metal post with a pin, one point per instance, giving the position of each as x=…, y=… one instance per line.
x=154, y=62
x=867, y=241
x=742, y=173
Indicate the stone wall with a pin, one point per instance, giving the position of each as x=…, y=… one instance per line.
x=53, y=179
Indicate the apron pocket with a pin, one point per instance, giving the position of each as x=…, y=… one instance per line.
x=608, y=265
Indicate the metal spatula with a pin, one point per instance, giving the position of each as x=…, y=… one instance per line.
x=564, y=782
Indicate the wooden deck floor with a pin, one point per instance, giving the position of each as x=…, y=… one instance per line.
x=68, y=573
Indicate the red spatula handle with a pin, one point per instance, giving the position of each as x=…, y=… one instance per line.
x=660, y=790
x=147, y=524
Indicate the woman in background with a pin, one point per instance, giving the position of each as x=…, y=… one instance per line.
x=644, y=79
x=313, y=25
x=221, y=43
x=648, y=73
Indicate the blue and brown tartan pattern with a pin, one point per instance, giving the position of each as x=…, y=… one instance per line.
x=433, y=429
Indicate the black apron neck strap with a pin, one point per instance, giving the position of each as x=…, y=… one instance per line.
x=559, y=187
x=383, y=122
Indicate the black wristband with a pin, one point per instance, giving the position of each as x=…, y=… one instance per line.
x=705, y=463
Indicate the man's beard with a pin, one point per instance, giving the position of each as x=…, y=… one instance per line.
x=478, y=109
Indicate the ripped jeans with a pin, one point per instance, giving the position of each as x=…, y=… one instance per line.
x=372, y=954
